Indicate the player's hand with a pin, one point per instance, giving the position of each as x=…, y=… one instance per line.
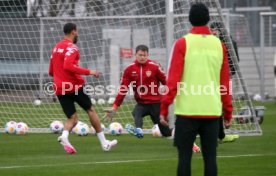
x=95, y=73
x=164, y=120
x=227, y=123
x=109, y=114
x=163, y=89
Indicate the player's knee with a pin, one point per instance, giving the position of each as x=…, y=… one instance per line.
x=91, y=110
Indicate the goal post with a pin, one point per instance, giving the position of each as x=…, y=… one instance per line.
x=104, y=29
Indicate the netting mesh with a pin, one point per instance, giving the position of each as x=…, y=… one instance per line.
x=29, y=31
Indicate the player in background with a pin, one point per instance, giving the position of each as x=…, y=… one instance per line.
x=145, y=76
x=216, y=30
x=199, y=61
x=69, y=85
x=142, y=73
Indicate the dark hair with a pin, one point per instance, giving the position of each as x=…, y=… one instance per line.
x=69, y=27
x=199, y=14
x=142, y=48
x=216, y=25
x=219, y=26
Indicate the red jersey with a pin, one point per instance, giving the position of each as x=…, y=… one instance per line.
x=145, y=79
x=64, y=67
x=176, y=71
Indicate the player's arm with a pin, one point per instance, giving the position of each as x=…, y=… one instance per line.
x=71, y=63
x=161, y=75
x=176, y=69
x=125, y=81
x=226, y=97
x=236, y=49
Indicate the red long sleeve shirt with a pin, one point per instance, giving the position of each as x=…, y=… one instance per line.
x=176, y=70
x=64, y=67
x=142, y=76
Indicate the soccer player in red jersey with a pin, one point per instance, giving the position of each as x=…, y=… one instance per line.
x=69, y=87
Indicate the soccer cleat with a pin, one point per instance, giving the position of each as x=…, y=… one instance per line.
x=228, y=138
x=138, y=132
x=196, y=148
x=236, y=136
x=129, y=128
x=66, y=145
x=109, y=145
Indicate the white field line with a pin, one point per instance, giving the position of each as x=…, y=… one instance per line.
x=125, y=161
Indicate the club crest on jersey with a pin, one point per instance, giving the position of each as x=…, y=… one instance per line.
x=148, y=73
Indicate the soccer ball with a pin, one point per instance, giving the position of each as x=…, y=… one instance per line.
x=81, y=129
x=257, y=97
x=155, y=131
x=37, y=102
x=10, y=127
x=111, y=100
x=92, y=130
x=115, y=128
x=56, y=126
x=103, y=127
x=101, y=101
x=93, y=101
x=74, y=129
x=21, y=128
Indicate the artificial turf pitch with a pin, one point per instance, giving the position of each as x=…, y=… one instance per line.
x=41, y=155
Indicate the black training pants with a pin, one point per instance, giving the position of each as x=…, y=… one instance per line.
x=186, y=130
x=153, y=110
x=221, y=133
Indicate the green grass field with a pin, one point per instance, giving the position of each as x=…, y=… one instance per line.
x=40, y=154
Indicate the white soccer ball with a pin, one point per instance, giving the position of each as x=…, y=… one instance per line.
x=37, y=102
x=101, y=101
x=81, y=129
x=111, y=100
x=21, y=128
x=103, y=127
x=74, y=129
x=115, y=128
x=10, y=127
x=56, y=126
x=155, y=131
x=92, y=130
x=93, y=101
x=257, y=97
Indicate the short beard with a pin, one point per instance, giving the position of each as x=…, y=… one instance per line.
x=75, y=40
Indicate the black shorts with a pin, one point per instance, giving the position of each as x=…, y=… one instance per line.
x=68, y=100
x=142, y=110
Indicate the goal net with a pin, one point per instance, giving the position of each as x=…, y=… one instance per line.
x=109, y=31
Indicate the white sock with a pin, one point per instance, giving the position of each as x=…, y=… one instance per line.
x=101, y=138
x=65, y=134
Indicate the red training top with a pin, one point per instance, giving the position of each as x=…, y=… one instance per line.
x=176, y=70
x=64, y=67
x=145, y=79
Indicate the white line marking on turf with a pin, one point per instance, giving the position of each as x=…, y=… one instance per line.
x=127, y=161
